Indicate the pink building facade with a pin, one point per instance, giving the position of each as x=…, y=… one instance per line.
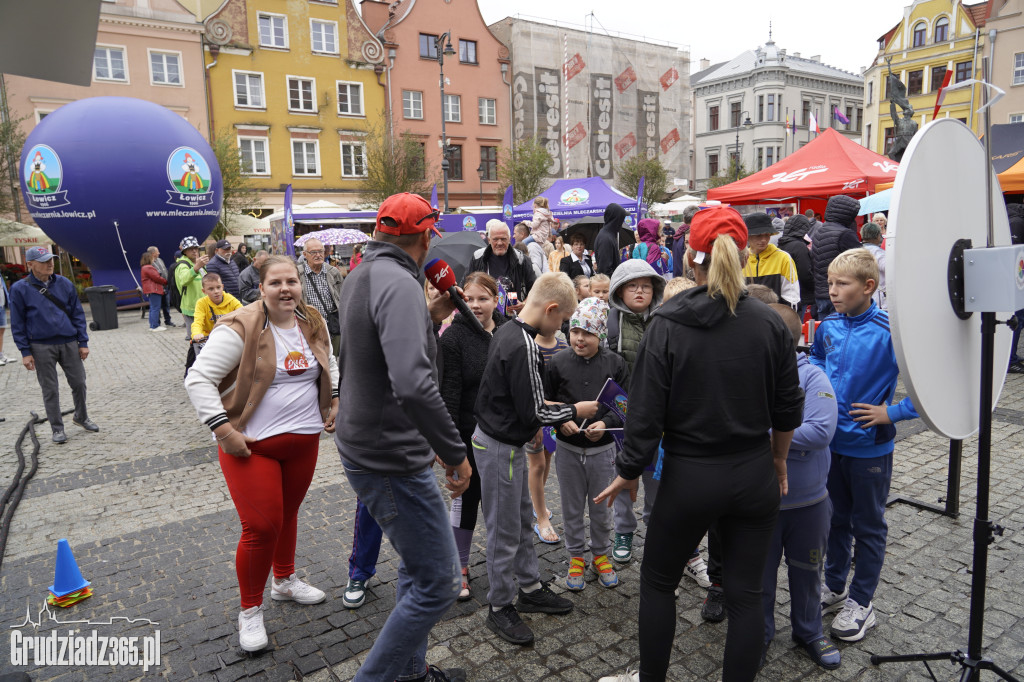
x=477, y=118
x=149, y=49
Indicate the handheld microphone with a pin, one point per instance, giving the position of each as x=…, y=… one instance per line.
x=442, y=277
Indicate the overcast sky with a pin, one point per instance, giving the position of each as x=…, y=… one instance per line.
x=844, y=34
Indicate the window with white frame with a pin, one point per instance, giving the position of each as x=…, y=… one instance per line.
x=353, y=160
x=1016, y=118
x=305, y=157
x=300, y=94
x=488, y=111
x=165, y=68
x=108, y=64
x=253, y=157
x=412, y=104
x=453, y=108
x=350, y=99
x=324, y=36
x=273, y=30
x=1018, y=68
x=249, y=90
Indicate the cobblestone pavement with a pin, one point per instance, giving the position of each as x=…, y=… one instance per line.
x=151, y=524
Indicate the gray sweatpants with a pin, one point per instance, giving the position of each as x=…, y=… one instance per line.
x=47, y=358
x=508, y=514
x=625, y=519
x=582, y=474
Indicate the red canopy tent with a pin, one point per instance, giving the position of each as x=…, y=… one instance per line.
x=828, y=165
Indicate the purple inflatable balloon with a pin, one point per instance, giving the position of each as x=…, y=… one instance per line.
x=108, y=177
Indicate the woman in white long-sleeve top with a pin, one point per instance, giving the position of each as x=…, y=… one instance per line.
x=266, y=385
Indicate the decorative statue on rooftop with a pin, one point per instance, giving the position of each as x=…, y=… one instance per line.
x=905, y=127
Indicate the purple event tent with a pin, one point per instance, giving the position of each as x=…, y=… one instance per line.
x=574, y=198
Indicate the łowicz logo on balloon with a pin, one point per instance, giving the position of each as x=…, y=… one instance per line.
x=43, y=177
x=190, y=176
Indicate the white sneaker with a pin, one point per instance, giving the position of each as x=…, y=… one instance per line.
x=293, y=589
x=697, y=571
x=161, y=328
x=252, y=636
x=832, y=601
x=628, y=676
x=853, y=622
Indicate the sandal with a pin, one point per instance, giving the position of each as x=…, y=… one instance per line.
x=550, y=514
x=540, y=534
x=464, y=594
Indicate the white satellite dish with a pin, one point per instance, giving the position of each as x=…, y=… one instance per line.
x=938, y=352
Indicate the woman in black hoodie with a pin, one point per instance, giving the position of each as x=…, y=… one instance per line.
x=465, y=356
x=724, y=366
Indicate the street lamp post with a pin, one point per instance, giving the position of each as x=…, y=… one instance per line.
x=747, y=125
x=481, y=171
x=445, y=40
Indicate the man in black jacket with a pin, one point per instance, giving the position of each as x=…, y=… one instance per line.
x=793, y=241
x=837, y=234
x=606, y=246
x=222, y=264
x=503, y=263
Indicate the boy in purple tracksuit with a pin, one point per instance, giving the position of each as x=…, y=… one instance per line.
x=804, y=514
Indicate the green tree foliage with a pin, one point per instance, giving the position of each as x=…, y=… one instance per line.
x=12, y=139
x=728, y=175
x=655, y=175
x=394, y=164
x=240, y=194
x=525, y=167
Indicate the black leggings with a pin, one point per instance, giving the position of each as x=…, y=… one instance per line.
x=739, y=493
x=464, y=514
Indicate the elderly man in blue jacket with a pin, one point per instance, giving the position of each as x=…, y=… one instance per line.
x=48, y=326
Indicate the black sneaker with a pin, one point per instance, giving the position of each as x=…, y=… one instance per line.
x=543, y=600
x=435, y=674
x=713, y=608
x=507, y=624
x=59, y=437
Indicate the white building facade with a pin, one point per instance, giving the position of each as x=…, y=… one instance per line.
x=768, y=88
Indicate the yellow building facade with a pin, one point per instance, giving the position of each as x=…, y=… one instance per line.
x=933, y=37
x=296, y=85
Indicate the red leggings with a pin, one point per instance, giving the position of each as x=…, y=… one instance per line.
x=267, y=489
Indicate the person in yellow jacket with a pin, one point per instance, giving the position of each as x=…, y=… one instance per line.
x=767, y=264
x=211, y=307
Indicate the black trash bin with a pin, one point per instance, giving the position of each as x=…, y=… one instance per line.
x=103, y=302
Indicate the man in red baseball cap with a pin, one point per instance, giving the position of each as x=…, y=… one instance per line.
x=392, y=422
x=407, y=214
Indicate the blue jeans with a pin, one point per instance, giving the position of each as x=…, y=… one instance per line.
x=1014, y=357
x=413, y=515
x=859, y=489
x=154, y=310
x=165, y=306
x=366, y=536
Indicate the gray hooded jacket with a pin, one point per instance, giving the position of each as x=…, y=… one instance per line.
x=390, y=415
x=626, y=328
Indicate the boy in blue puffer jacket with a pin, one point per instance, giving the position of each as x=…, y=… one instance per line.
x=854, y=347
x=802, y=529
